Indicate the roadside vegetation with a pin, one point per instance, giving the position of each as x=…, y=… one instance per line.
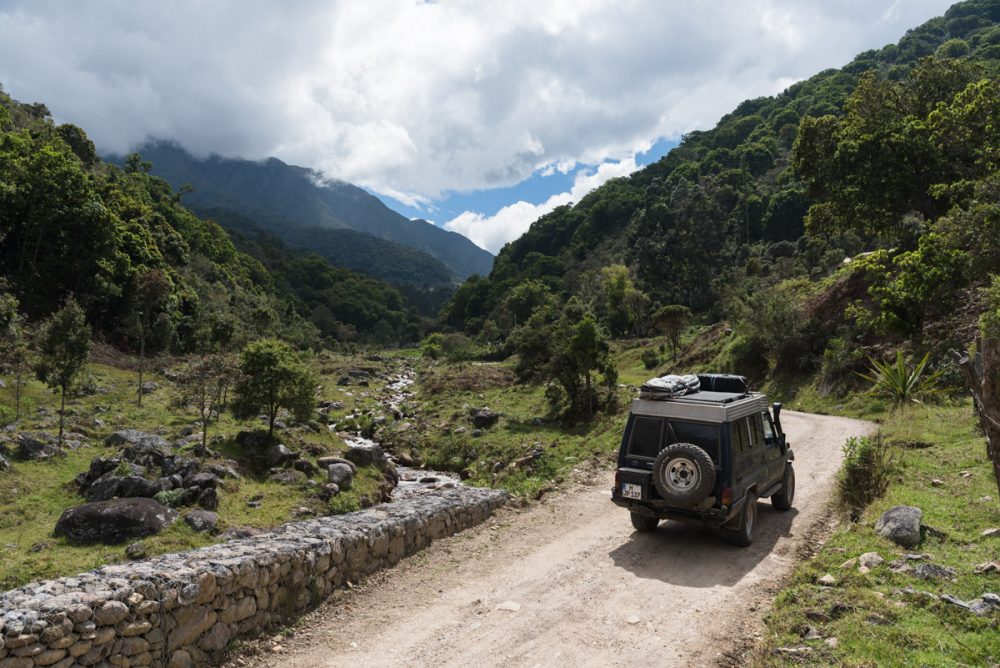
x=894, y=615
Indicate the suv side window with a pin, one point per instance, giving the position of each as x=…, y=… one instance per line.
x=769, y=435
x=745, y=443
x=757, y=423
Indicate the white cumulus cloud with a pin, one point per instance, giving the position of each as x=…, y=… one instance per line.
x=416, y=99
x=513, y=220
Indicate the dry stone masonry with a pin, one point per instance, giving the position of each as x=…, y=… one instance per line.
x=183, y=609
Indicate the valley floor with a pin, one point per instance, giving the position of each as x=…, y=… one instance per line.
x=569, y=583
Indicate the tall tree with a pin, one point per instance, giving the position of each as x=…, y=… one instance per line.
x=624, y=306
x=203, y=387
x=272, y=377
x=63, y=348
x=671, y=320
x=567, y=347
x=152, y=290
x=14, y=353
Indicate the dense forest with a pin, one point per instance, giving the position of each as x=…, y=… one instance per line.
x=425, y=283
x=119, y=240
x=891, y=160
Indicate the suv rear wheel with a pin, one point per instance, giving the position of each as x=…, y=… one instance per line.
x=782, y=500
x=684, y=474
x=644, y=523
x=743, y=535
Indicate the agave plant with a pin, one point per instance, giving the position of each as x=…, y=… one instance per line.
x=899, y=383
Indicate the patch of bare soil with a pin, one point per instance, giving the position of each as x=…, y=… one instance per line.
x=466, y=378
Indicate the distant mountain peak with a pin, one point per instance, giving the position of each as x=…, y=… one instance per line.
x=276, y=194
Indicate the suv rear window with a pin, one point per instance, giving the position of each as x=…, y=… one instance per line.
x=649, y=435
x=646, y=437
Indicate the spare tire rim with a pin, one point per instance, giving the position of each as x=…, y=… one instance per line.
x=682, y=474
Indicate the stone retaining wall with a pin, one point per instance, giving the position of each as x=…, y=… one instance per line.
x=183, y=609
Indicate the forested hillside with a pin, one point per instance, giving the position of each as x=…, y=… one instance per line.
x=388, y=261
x=121, y=242
x=284, y=198
x=750, y=222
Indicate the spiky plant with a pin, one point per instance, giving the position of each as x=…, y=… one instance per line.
x=899, y=383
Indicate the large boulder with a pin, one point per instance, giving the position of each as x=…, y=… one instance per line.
x=204, y=480
x=4, y=464
x=324, y=462
x=133, y=437
x=365, y=455
x=484, y=418
x=208, y=499
x=37, y=448
x=130, y=486
x=142, y=448
x=99, y=466
x=901, y=525
x=223, y=471
x=340, y=475
x=180, y=466
x=253, y=441
x=288, y=477
x=114, y=521
x=179, y=497
x=202, y=520
x=279, y=455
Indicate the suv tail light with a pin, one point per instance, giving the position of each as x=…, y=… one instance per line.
x=618, y=480
x=727, y=496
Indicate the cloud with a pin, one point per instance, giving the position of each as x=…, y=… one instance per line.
x=415, y=99
x=510, y=222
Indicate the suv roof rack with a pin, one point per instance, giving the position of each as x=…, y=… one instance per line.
x=703, y=406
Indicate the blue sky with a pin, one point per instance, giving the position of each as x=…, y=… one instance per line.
x=536, y=189
x=478, y=115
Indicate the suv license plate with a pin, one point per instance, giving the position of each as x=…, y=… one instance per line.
x=630, y=491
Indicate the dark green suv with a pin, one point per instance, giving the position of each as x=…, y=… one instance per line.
x=705, y=458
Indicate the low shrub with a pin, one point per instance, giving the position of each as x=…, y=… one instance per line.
x=868, y=466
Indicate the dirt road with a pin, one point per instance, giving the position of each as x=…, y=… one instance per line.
x=569, y=583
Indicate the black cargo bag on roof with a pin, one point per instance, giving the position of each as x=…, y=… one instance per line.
x=723, y=382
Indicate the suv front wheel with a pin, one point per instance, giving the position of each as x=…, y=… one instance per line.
x=782, y=500
x=743, y=535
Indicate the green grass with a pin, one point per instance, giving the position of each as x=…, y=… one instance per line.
x=932, y=442
x=444, y=438
x=802, y=394
x=34, y=494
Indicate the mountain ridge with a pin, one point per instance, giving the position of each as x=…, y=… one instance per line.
x=276, y=194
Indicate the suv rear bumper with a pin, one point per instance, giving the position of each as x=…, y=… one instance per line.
x=714, y=516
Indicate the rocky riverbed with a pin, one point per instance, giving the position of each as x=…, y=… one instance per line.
x=412, y=481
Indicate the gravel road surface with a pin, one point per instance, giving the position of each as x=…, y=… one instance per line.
x=569, y=583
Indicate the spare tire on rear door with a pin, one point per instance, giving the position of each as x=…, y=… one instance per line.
x=684, y=474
